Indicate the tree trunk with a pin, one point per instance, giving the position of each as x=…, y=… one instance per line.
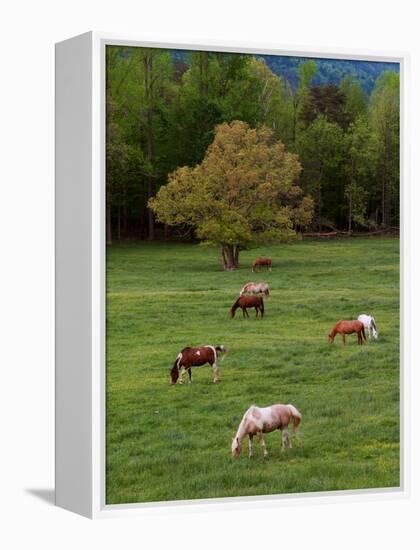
x=119, y=223
x=350, y=213
x=319, y=204
x=108, y=225
x=237, y=248
x=230, y=256
x=148, y=85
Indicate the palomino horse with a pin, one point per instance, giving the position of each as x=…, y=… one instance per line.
x=245, y=302
x=255, y=288
x=369, y=324
x=257, y=421
x=348, y=327
x=196, y=357
x=258, y=262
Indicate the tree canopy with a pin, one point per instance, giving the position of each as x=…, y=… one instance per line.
x=164, y=108
x=244, y=192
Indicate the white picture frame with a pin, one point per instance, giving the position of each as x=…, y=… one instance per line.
x=80, y=276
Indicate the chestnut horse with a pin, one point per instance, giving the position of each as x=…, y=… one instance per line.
x=196, y=357
x=245, y=302
x=348, y=327
x=258, y=262
x=257, y=421
x=255, y=288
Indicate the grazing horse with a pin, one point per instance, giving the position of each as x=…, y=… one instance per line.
x=348, y=327
x=245, y=302
x=257, y=421
x=258, y=262
x=196, y=357
x=255, y=288
x=369, y=324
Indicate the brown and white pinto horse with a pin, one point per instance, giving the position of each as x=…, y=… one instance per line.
x=245, y=302
x=257, y=421
x=196, y=357
x=255, y=288
x=258, y=262
x=348, y=327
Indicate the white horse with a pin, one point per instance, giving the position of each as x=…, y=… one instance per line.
x=255, y=288
x=257, y=421
x=369, y=324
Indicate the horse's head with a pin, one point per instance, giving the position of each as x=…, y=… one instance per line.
x=174, y=374
x=330, y=338
x=232, y=312
x=236, y=447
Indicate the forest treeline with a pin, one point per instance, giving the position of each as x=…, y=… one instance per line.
x=162, y=113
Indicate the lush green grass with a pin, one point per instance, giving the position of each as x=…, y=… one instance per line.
x=173, y=442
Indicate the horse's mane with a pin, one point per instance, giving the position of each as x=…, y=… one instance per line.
x=242, y=422
x=373, y=323
x=236, y=303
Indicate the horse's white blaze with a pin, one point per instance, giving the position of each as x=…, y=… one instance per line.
x=198, y=352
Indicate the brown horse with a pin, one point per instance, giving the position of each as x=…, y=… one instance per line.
x=258, y=262
x=348, y=327
x=196, y=357
x=245, y=302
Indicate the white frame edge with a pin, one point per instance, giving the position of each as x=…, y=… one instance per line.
x=80, y=371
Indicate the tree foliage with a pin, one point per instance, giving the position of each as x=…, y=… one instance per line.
x=163, y=109
x=244, y=192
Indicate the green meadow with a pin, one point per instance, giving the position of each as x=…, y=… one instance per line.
x=173, y=442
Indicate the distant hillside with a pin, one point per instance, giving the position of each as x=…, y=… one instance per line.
x=330, y=71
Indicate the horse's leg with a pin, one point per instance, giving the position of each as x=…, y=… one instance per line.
x=262, y=443
x=190, y=375
x=250, y=446
x=344, y=339
x=216, y=372
x=256, y=312
x=246, y=314
x=181, y=372
x=285, y=439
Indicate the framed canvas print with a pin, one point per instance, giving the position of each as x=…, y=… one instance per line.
x=229, y=268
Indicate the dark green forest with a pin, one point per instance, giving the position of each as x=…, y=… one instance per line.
x=338, y=119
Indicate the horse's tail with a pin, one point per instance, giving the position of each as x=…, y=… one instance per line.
x=296, y=418
x=262, y=306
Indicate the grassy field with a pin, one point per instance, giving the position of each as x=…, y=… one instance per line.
x=173, y=442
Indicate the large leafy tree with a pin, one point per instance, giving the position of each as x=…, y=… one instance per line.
x=356, y=99
x=327, y=101
x=385, y=121
x=321, y=151
x=244, y=192
x=361, y=156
